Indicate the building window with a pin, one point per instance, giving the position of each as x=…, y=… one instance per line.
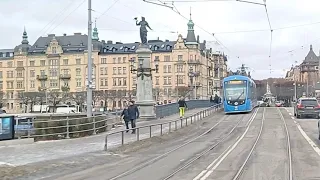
x=9, y=74
x=10, y=84
x=43, y=84
x=157, y=80
x=65, y=62
x=124, y=59
x=169, y=80
x=180, y=58
x=1, y=75
x=166, y=58
x=114, y=60
x=119, y=60
x=114, y=81
x=119, y=70
x=19, y=84
x=124, y=70
x=9, y=64
x=106, y=71
x=78, y=61
x=19, y=73
x=32, y=84
x=179, y=68
x=103, y=60
x=119, y=81
x=53, y=72
x=101, y=71
x=54, y=50
x=165, y=68
x=180, y=79
x=124, y=81
x=1, y=84
x=114, y=71
x=169, y=68
x=53, y=83
x=32, y=63
x=42, y=63
x=78, y=72
x=78, y=82
x=42, y=72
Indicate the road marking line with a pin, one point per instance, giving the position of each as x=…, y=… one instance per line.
x=223, y=155
x=292, y=117
x=7, y=164
x=304, y=134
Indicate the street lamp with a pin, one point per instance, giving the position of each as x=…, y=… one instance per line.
x=192, y=76
x=143, y=71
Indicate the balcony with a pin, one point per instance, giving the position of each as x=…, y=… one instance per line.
x=65, y=76
x=198, y=84
x=42, y=77
x=21, y=68
x=180, y=62
x=65, y=88
x=195, y=62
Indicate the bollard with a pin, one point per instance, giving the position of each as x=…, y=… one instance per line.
x=161, y=129
x=122, y=137
x=150, y=131
x=138, y=131
x=106, y=143
x=176, y=126
x=169, y=127
x=29, y=133
x=94, y=125
x=68, y=133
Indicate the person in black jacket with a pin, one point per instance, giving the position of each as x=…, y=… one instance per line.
x=182, y=106
x=125, y=116
x=134, y=114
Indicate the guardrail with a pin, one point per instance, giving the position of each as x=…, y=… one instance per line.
x=177, y=124
x=53, y=129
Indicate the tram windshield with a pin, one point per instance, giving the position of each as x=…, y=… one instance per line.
x=235, y=90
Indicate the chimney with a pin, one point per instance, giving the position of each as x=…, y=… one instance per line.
x=119, y=43
x=210, y=50
x=109, y=42
x=204, y=41
x=51, y=35
x=77, y=34
x=64, y=34
x=103, y=41
x=167, y=40
x=198, y=39
x=158, y=38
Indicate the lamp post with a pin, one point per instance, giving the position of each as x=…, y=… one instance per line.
x=144, y=71
x=192, y=76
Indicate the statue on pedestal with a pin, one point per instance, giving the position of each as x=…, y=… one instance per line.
x=143, y=29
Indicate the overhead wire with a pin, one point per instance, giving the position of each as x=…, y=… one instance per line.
x=56, y=17
x=103, y=13
x=69, y=15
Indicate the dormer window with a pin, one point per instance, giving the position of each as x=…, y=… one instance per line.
x=81, y=44
x=121, y=47
x=133, y=47
x=104, y=50
x=162, y=46
x=155, y=48
x=150, y=46
x=125, y=49
x=168, y=47
x=54, y=50
x=113, y=49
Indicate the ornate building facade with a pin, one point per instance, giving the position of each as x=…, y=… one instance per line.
x=56, y=66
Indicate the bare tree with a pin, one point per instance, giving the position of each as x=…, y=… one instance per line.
x=182, y=91
x=2, y=99
x=157, y=92
x=79, y=98
x=55, y=97
x=27, y=98
x=96, y=96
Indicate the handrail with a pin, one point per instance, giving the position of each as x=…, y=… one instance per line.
x=83, y=126
x=194, y=117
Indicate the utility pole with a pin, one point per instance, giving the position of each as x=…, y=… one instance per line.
x=89, y=81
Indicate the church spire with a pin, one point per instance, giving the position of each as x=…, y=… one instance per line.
x=191, y=38
x=95, y=34
x=25, y=37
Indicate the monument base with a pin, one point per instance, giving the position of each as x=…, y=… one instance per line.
x=147, y=110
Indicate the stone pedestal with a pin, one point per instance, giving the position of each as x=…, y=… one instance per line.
x=144, y=85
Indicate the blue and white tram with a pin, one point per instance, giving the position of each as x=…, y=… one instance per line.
x=239, y=94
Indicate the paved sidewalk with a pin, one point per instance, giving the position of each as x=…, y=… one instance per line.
x=45, y=150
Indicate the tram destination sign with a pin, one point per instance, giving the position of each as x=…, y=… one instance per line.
x=236, y=82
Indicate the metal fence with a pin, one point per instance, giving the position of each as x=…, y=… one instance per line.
x=67, y=127
x=164, y=127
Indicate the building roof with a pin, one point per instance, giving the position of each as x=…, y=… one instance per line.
x=127, y=48
x=74, y=43
x=6, y=54
x=311, y=57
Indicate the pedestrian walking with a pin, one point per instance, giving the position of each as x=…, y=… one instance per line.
x=182, y=106
x=125, y=116
x=134, y=114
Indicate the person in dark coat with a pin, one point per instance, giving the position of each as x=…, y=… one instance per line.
x=182, y=106
x=125, y=116
x=133, y=113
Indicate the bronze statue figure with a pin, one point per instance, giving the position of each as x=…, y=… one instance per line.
x=143, y=29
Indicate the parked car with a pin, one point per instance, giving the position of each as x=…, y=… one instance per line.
x=307, y=107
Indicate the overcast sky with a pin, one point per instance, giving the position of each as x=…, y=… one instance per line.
x=117, y=24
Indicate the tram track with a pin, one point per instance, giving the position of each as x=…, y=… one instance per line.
x=154, y=160
x=241, y=170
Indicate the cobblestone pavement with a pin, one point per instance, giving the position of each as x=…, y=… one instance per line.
x=16, y=155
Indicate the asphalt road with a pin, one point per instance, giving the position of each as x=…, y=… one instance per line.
x=269, y=159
